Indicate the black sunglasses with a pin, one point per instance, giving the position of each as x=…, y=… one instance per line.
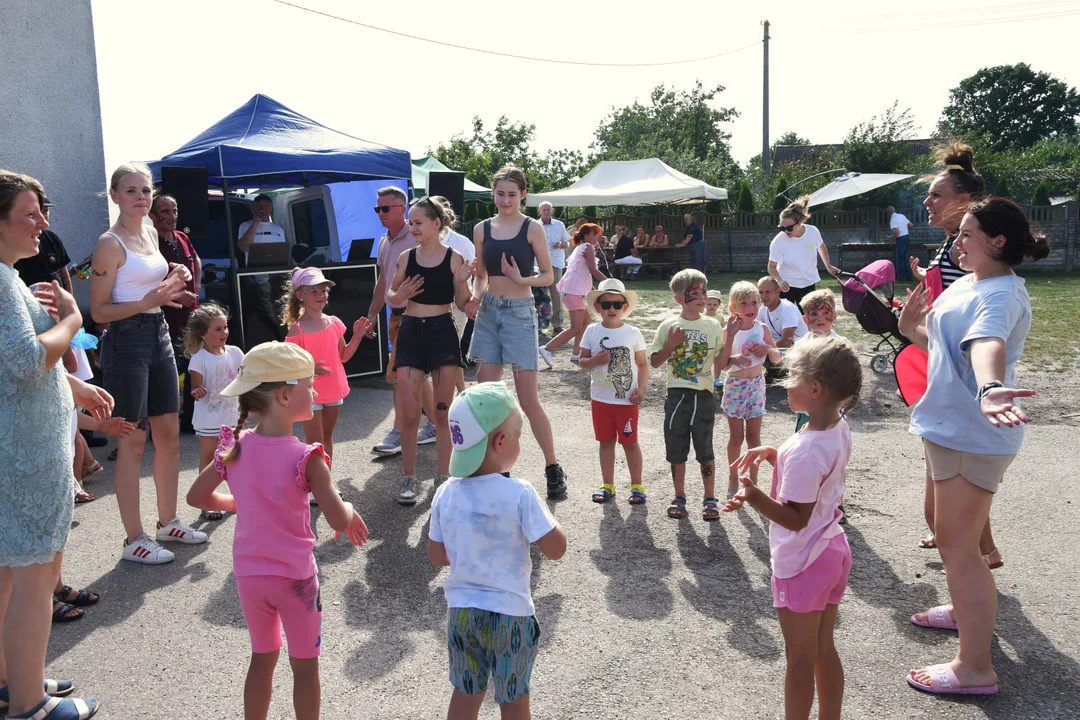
x=386, y=208
x=424, y=199
x=608, y=304
x=788, y=228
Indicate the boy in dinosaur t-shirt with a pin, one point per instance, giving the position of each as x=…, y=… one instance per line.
x=688, y=343
x=615, y=352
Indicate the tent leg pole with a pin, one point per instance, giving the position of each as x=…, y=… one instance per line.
x=234, y=282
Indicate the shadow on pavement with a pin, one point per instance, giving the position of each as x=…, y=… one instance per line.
x=636, y=569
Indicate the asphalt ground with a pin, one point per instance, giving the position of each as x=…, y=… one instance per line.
x=645, y=617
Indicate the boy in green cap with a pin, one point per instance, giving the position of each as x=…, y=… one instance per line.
x=482, y=523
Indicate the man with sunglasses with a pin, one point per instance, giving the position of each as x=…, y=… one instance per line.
x=391, y=207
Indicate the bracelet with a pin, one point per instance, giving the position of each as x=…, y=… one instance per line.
x=986, y=388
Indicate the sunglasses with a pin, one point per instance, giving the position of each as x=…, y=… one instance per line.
x=609, y=304
x=386, y=208
x=788, y=228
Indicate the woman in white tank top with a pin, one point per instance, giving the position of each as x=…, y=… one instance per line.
x=130, y=282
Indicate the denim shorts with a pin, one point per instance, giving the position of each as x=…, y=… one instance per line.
x=138, y=367
x=505, y=332
x=320, y=406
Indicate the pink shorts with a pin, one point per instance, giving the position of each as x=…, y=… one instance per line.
x=821, y=584
x=573, y=302
x=270, y=602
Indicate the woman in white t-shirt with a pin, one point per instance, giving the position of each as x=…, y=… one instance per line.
x=794, y=251
x=970, y=423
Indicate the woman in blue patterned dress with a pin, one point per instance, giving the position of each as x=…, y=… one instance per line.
x=36, y=481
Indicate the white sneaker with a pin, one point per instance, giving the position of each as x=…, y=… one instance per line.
x=407, y=494
x=145, y=550
x=426, y=434
x=545, y=355
x=311, y=500
x=575, y=358
x=176, y=531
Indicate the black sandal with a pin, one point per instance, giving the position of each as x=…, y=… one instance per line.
x=212, y=515
x=61, y=614
x=83, y=598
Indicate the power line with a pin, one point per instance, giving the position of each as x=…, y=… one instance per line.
x=511, y=55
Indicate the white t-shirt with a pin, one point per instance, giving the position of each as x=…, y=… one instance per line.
x=947, y=414
x=899, y=222
x=487, y=523
x=616, y=381
x=556, y=233
x=83, y=371
x=462, y=244
x=785, y=316
x=810, y=468
x=796, y=258
x=214, y=409
x=267, y=232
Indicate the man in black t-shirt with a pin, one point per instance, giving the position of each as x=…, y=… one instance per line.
x=626, y=254
x=51, y=262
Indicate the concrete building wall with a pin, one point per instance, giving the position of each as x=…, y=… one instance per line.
x=50, y=114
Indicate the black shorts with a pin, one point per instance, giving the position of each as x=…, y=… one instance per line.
x=138, y=367
x=427, y=343
x=796, y=295
x=689, y=414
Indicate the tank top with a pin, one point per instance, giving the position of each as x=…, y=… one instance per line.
x=577, y=280
x=324, y=347
x=517, y=247
x=438, y=286
x=744, y=338
x=950, y=271
x=138, y=275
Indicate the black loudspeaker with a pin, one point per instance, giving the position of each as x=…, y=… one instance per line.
x=189, y=186
x=451, y=185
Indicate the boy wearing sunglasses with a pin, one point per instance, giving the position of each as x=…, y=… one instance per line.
x=614, y=352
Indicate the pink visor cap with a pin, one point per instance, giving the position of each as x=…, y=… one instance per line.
x=306, y=277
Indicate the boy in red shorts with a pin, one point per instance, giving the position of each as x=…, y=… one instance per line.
x=615, y=353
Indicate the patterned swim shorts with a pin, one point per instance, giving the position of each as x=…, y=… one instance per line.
x=481, y=642
x=744, y=398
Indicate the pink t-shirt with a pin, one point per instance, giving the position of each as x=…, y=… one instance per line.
x=324, y=346
x=810, y=468
x=273, y=520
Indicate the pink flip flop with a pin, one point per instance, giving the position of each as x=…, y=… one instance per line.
x=943, y=682
x=937, y=617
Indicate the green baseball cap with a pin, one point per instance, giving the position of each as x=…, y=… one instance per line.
x=473, y=416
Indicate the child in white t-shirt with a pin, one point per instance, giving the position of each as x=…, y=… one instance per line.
x=810, y=554
x=819, y=312
x=213, y=366
x=482, y=523
x=615, y=353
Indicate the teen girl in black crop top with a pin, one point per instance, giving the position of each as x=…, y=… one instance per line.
x=506, y=330
x=430, y=277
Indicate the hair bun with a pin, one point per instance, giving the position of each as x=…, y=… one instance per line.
x=1037, y=246
x=956, y=153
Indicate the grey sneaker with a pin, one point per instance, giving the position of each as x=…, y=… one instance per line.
x=391, y=444
x=440, y=479
x=426, y=434
x=407, y=494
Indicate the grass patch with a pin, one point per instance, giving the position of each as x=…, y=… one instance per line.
x=1053, y=343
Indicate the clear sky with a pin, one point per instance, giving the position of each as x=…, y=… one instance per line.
x=169, y=69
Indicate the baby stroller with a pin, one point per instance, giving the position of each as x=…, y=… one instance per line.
x=878, y=314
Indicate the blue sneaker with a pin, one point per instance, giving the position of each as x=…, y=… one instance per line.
x=55, y=688
x=54, y=708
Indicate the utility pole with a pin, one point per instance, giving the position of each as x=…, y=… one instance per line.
x=766, y=166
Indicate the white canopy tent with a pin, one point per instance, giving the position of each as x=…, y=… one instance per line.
x=632, y=182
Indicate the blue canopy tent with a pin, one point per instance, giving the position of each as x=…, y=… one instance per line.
x=265, y=144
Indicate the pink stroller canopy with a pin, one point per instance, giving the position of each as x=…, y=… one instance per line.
x=876, y=274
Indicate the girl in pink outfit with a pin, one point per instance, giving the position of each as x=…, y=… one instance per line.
x=324, y=337
x=810, y=554
x=270, y=473
x=576, y=283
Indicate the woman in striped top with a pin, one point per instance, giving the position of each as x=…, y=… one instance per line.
x=951, y=192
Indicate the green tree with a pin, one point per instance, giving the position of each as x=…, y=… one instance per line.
x=1002, y=189
x=779, y=201
x=745, y=202
x=1012, y=106
x=879, y=145
x=1042, y=194
x=790, y=138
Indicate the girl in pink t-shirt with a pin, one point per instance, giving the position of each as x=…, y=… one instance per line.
x=270, y=473
x=324, y=337
x=810, y=554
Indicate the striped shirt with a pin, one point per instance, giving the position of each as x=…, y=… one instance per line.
x=950, y=271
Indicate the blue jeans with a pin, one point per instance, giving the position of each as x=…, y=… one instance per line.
x=903, y=269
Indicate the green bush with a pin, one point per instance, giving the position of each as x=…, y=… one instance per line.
x=1042, y=194
x=780, y=202
x=745, y=202
x=1002, y=189
x=470, y=212
x=590, y=212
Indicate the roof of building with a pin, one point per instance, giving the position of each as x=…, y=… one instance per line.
x=791, y=153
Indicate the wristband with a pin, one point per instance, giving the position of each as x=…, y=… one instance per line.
x=986, y=388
